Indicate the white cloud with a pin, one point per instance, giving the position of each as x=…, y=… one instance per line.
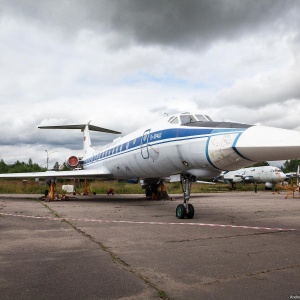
x=72, y=62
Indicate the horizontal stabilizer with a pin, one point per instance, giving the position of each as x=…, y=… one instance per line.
x=81, y=127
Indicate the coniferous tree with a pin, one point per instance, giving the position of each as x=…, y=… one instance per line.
x=261, y=164
x=291, y=165
x=56, y=166
x=3, y=167
x=20, y=167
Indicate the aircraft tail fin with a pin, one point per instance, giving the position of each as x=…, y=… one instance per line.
x=85, y=128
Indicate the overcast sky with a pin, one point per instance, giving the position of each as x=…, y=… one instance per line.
x=123, y=64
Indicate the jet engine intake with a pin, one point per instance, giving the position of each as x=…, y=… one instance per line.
x=72, y=162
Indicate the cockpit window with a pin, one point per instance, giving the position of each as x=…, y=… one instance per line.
x=175, y=121
x=203, y=118
x=187, y=119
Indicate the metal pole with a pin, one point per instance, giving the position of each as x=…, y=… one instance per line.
x=47, y=158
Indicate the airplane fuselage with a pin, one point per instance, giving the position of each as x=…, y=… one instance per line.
x=264, y=174
x=182, y=148
x=161, y=151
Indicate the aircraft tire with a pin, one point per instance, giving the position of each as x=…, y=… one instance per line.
x=148, y=192
x=180, y=211
x=190, y=214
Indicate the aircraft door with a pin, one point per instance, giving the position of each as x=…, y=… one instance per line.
x=145, y=144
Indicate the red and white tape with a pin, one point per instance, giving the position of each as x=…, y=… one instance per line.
x=152, y=223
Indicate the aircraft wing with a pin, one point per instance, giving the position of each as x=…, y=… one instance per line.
x=247, y=177
x=97, y=173
x=205, y=182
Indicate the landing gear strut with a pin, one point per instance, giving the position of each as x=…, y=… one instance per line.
x=51, y=193
x=186, y=209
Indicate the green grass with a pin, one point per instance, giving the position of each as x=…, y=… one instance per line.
x=101, y=187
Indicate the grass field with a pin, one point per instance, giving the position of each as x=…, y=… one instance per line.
x=101, y=187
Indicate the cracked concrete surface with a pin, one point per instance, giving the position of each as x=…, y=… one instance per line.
x=106, y=260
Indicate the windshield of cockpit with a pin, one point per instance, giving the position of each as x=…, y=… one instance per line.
x=203, y=118
x=189, y=118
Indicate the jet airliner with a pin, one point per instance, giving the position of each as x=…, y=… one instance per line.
x=268, y=175
x=180, y=148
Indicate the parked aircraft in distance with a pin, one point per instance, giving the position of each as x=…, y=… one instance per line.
x=180, y=148
x=294, y=174
x=265, y=174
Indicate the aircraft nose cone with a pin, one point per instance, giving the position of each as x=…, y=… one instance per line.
x=260, y=143
x=280, y=175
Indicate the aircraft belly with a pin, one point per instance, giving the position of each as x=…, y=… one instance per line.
x=193, y=154
x=239, y=179
x=133, y=165
x=163, y=160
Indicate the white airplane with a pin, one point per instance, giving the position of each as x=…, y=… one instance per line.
x=265, y=174
x=294, y=174
x=179, y=148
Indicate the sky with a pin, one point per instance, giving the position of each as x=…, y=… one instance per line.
x=123, y=64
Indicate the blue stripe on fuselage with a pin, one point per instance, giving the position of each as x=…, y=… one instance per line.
x=156, y=138
x=235, y=149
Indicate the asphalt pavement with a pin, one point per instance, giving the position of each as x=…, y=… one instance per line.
x=239, y=245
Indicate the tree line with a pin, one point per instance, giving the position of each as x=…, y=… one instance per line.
x=22, y=167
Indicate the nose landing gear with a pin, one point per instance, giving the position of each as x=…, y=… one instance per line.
x=186, y=210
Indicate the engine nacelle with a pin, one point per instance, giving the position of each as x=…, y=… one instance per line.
x=268, y=185
x=72, y=162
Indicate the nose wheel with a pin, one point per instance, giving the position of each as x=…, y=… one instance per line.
x=186, y=210
x=182, y=212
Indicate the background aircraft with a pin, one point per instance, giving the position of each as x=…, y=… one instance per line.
x=294, y=174
x=265, y=174
x=179, y=148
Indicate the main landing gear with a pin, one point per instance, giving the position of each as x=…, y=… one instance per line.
x=186, y=209
x=51, y=194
